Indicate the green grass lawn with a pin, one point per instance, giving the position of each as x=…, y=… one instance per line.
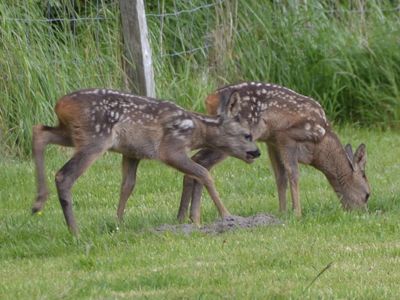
x=360, y=251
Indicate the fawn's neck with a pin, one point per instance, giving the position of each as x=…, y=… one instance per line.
x=207, y=130
x=330, y=158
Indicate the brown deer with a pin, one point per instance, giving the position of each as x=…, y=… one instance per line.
x=97, y=120
x=295, y=129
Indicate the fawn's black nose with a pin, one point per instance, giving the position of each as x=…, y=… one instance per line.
x=254, y=154
x=367, y=197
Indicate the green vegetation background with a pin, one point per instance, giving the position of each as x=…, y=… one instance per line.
x=346, y=54
x=40, y=260
x=343, y=53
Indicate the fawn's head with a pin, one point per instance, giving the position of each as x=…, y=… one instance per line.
x=234, y=136
x=357, y=190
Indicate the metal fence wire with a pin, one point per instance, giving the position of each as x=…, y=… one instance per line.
x=50, y=47
x=177, y=29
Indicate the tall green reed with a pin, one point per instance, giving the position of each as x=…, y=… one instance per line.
x=43, y=60
x=346, y=57
x=345, y=54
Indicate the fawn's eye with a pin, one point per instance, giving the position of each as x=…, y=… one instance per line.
x=248, y=137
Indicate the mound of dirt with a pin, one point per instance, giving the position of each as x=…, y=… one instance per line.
x=222, y=225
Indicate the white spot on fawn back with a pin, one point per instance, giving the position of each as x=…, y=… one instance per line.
x=320, y=129
x=186, y=124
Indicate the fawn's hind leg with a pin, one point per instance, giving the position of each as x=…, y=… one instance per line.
x=42, y=136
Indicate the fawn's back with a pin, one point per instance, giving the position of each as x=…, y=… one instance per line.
x=131, y=124
x=97, y=120
x=270, y=108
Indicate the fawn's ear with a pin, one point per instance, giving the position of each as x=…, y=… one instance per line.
x=349, y=155
x=360, y=157
x=230, y=104
x=213, y=104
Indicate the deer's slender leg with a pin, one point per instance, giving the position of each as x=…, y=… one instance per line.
x=192, y=189
x=181, y=162
x=186, y=195
x=293, y=172
x=209, y=159
x=66, y=177
x=294, y=186
x=42, y=136
x=280, y=176
x=288, y=152
x=129, y=168
x=195, y=206
x=189, y=183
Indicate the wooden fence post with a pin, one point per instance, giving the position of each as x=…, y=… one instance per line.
x=137, y=60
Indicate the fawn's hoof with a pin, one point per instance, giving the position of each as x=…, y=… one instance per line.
x=35, y=210
x=229, y=218
x=37, y=207
x=40, y=201
x=181, y=218
x=195, y=221
x=225, y=215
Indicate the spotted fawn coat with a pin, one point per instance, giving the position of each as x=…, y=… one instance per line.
x=295, y=129
x=98, y=120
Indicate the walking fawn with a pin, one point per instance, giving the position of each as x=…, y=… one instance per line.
x=96, y=120
x=295, y=130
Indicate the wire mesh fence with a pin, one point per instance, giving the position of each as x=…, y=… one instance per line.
x=344, y=53
x=177, y=28
x=186, y=29
x=66, y=29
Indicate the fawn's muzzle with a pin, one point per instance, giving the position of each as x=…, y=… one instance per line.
x=253, y=154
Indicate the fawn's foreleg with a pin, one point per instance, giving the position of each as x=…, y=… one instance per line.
x=209, y=160
x=186, y=196
x=287, y=152
x=181, y=162
x=192, y=189
x=280, y=176
x=66, y=177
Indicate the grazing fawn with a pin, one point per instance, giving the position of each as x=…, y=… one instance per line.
x=97, y=120
x=295, y=129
